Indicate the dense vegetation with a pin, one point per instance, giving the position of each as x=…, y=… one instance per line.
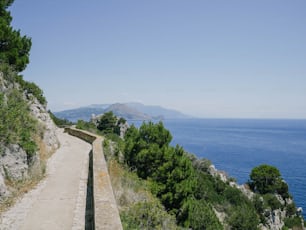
x=188, y=191
x=59, y=122
x=184, y=186
x=266, y=182
x=267, y=179
x=16, y=124
x=110, y=124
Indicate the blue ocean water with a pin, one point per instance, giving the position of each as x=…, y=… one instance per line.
x=238, y=145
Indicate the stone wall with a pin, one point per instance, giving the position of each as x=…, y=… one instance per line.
x=106, y=214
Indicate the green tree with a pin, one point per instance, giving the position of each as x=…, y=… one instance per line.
x=265, y=179
x=151, y=133
x=176, y=180
x=147, y=147
x=14, y=48
x=107, y=123
x=147, y=150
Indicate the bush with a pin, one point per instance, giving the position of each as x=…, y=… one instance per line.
x=243, y=217
x=234, y=196
x=88, y=126
x=17, y=126
x=271, y=201
x=200, y=215
x=291, y=209
x=147, y=215
x=32, y=88
x=59, y=122
x=293, y=222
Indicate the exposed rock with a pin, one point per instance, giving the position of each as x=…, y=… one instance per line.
x=216, y=173
x=3, y=188
x=49, y=135
x=274, y=220
x=123, y=129
x=123, y=126
x=13, y=163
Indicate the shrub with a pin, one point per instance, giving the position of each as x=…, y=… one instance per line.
x=291, y=209
x=17, y=126
x=271, y=201
x=200, y=215
x=293, y=222
x=59, y=122
x=147, y=215
x=32, y=88
x=84, y=125
x=243, y=217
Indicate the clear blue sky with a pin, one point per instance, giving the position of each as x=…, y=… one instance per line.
x=244, y=59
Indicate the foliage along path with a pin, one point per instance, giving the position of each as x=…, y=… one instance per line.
x=58, y=201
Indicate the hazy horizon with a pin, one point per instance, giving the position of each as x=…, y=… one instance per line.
x=192, y=116
x=214, y=59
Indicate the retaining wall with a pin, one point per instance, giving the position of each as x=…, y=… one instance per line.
x=106, y=214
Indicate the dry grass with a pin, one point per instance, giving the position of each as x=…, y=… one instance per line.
x=36, y=174
x=17, y=189
x=139, y=209
x=127, y=187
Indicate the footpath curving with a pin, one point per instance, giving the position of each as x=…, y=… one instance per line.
x=105, y=210
x=58, y=202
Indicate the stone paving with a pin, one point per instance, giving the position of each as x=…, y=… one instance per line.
x=58, y=202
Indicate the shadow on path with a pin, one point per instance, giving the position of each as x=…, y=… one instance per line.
x=89, y=214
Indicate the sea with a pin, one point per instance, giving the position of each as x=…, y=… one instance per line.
x=236, y=146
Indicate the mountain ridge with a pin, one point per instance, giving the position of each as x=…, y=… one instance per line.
x=129, y=111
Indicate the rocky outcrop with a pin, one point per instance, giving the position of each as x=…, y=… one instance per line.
x=122, y=126
x=3, y=188
x=15, y=165
x=49, y=137
x=274, y=219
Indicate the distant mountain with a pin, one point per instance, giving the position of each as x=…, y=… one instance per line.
x=158, y=111
x=83, y=113
x=130, y=111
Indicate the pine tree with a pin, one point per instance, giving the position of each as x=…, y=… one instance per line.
x=14, y=48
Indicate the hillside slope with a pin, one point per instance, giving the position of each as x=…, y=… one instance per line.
x=27, y=133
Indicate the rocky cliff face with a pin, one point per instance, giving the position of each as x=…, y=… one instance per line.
x=14, y=162
x=274, y=219
x=49, y=137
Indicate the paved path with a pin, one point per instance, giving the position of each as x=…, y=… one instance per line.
x=58, y=202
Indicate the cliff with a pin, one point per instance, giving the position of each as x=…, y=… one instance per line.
x=27, y=133
x=272, y=217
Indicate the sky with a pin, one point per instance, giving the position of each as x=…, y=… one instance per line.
x=207, y=58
